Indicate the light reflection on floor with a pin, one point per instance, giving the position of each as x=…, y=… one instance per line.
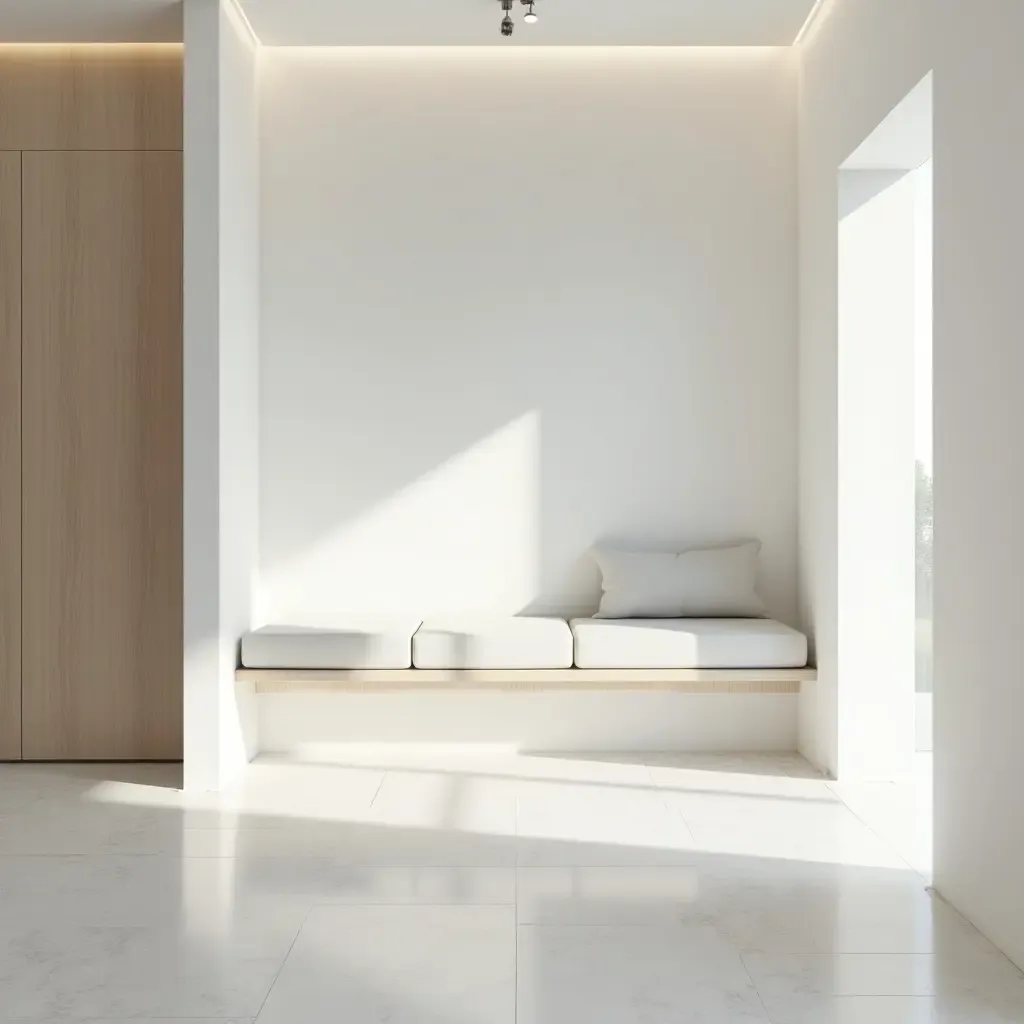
x=484, y=887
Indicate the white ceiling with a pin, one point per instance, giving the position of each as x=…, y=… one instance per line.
x=562, y=22
x=423, y=22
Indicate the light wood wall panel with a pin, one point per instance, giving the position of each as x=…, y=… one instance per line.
x=90, y=97
x=10, y=456
x=102, y=472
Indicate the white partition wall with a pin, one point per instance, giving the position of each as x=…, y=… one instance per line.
x=860, y=59
x=220, y=383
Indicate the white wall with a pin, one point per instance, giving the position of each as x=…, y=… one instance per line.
x=924, y=247
x=515, y=303
x=860, y=61
x=239, y=363
x=328, y=725
x=221, y=290
x=876, y=474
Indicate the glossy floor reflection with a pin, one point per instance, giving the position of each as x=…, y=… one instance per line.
x=482, y=889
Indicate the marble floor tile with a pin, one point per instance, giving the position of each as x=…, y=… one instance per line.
x=41, y=778
x=807, y=827
x=220, y=967
x=646, y=888
x=268, y=795
x=865, y=1010
x=771, y=788
x=629, y=975
x=134, y=1020
x=597, y=895
x=573, y=823
x=968, y=982
x=842, y=974
x=177, y=892
x=764, y=764
x=327, y=881
x=854, y=912
x=86, y=831
x=626, y=771
x=355, y=844
x=44, y=812
x=275, y=795
x=809, y=989
x=444, y=802
x=596, y=768
x=400, y=965
x=116, y=891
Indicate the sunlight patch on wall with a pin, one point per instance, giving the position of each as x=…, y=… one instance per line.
x=464, y=537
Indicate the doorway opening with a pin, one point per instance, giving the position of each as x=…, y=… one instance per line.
x=885, y=465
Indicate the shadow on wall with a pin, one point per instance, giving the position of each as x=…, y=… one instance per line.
x=467, y=382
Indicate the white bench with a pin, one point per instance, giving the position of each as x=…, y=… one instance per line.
x=743, y=656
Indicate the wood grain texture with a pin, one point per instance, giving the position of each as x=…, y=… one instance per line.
x=780, y=681
x=102, y=471
x=10, y=456
x=90, y=97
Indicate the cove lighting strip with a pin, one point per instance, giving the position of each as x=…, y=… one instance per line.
x=240, y=11
x=811, y=18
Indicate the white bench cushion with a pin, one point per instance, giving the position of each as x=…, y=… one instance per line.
x=687, y=643
x=360, y=644
x=492, y=643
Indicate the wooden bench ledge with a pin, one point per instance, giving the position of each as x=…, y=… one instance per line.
x=735, y=681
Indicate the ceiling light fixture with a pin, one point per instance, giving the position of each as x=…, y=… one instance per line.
x=507, y=24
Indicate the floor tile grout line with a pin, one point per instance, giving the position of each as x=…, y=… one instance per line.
x=380, y=785
x=648, y=926
x=675, y=812
x=804, y=952
x=934, y=894
x=515, y=911
x=753, y=984
x=284, y=963
x=891, y=847
x=320, y=904
x=829, y=954
x=515, y=926
x=927, y=879
x=881, y=995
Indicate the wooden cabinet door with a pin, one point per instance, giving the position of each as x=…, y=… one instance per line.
x=102, y=458
x=10, y=456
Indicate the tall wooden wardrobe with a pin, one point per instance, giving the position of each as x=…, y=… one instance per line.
x=90, y=403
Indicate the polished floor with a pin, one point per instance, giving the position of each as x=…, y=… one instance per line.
x=482, y=889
